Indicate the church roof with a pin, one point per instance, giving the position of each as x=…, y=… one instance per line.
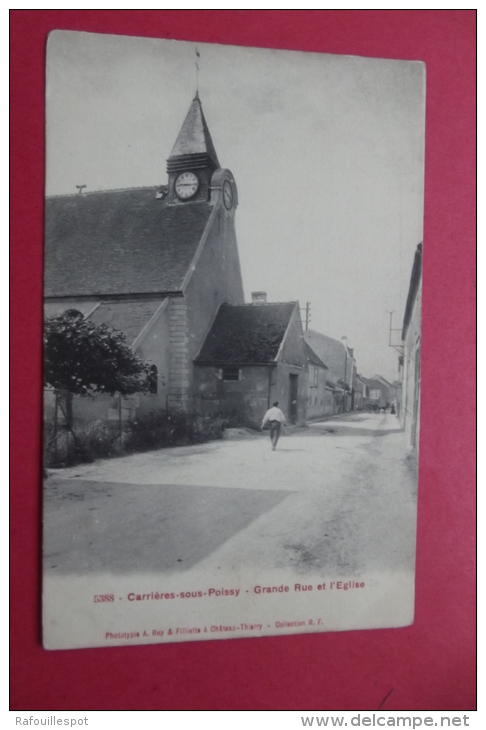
x=127, y=316
x=246, y=334
x=194, y=137
x=119, y=242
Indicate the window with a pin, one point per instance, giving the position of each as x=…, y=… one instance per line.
x=316, y=377
x=153, y=379
x=231, y=373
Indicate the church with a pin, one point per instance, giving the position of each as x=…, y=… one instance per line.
x=161, y=264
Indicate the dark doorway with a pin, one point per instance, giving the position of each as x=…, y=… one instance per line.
x=294, y=389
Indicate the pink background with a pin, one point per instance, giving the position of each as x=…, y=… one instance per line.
x=430, y=665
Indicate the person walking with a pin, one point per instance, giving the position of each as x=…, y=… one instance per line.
x=275, y=418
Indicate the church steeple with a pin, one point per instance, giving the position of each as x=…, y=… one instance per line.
x=194, y=147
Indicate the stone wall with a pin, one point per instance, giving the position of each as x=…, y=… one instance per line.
x=215, y=279
x=154, y=348
x=179, y=363
x=280, y=390
x=320, y=401
x=249, y=397
x=245, y=400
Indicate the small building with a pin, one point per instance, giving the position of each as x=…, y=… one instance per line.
x=253, y=355
x=410, y=411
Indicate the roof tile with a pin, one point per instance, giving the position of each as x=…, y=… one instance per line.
x=246, y=334
x=119, y=242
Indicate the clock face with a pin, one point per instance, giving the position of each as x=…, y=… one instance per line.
x=186, y=185
x=227, y=194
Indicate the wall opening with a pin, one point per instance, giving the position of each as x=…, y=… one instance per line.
x=230, y=373
x=153, y=379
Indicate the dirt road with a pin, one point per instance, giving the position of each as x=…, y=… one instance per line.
x=337, y=496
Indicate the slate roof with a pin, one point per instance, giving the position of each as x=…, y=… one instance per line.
x=312, y=357
x=332, y=352
x=128, y=316
x=119, y=242
x=246, y=334
x=194, y=137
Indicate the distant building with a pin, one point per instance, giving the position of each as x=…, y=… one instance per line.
x=253, y=355
x=360, y=393
x=340, y=362
x=378, y=393
x=321, y=401
x=389, y=390
x=410, y=412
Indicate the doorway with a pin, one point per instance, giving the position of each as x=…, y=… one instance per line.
x=293, y=393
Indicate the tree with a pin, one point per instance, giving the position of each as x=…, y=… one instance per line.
x=82, y=358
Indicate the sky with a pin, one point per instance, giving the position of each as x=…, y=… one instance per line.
x=327, y=153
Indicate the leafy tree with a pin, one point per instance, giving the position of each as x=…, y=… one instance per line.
x=84, y=358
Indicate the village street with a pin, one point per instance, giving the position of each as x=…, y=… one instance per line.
x=338, y=495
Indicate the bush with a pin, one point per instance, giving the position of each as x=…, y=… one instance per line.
x=90, y=441
x=235, y=418
x=101, y=439
x=160, y=429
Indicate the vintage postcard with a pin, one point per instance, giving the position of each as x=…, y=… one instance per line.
x=233, y=276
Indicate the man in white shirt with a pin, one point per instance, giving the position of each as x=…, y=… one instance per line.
x=274, y=417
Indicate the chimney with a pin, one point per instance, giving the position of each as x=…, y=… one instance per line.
x=259, y=297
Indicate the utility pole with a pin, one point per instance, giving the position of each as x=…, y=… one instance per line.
x=390, y=330
x=80, y=188
x=307, y=309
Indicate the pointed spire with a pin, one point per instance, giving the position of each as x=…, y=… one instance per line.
x=194, y=137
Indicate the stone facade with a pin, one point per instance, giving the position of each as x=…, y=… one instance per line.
x=179, y=368
x=267, y=368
